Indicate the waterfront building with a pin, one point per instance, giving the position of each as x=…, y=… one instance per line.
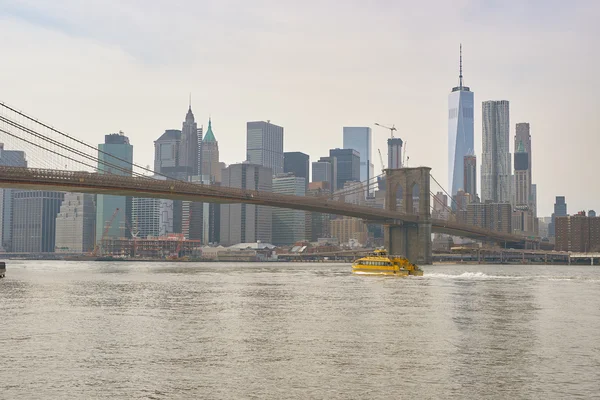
x=289, y=226
x=347, y=166
x=460, y=131
x=298, y=164
x=577, y=233
x=360, y=139
x=243, y=223
x=146, y=217
x=115, y=157
x=348, y=230
x=34, y=220
x=495, y=161
x=8, y=158
x=76, y=224
x=264, y=145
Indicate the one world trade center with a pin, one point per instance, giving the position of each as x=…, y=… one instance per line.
x=460, y=132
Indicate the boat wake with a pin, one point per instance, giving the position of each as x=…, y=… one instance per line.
x=469, y=275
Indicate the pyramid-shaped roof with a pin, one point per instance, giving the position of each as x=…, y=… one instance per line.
x=210, y=136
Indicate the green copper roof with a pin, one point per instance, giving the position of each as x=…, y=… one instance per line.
x=210, y=136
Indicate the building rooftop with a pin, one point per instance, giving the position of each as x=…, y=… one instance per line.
x=253, y=246
x=170, y=134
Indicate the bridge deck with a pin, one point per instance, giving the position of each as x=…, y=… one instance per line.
x=86, y=182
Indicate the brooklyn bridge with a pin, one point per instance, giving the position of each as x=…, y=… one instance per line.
x=70, y=164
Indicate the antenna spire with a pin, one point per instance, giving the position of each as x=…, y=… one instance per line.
x=460, y=76
x=190, y=100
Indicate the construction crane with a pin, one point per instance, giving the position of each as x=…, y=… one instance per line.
x=105, y=232
x=391, y=129
x=381, y=160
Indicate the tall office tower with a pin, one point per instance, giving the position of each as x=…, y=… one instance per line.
x=264, y=145
x=34, y=220
x=470, y=174
x=211, y=167
x=192, y=224
x=560, y=210
x=166, y=155
x=199, y=162
x=440, y=206
x=115, y=152
x=289, y=226
x=325, y=170
x=8, y=158
x=522, y=182
x=167, y=161
x=319, y=221
x=298, y=164
x=495, y=161
x=394, y=153
x=347, y=166
x=76, y=224
x=246, y=223
x=188, y=147
x=460, y=130
x=359, y=139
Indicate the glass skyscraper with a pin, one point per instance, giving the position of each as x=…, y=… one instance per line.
x=289, y=226
x=359, y=139
x=115, y=145
x=264, y=145
x=460, y=131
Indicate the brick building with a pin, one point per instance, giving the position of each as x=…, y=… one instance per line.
x=577, y=233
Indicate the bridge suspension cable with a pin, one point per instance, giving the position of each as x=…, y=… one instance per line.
x=444, y=190
x=86, y=151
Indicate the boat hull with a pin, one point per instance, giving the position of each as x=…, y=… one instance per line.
x=361, y=270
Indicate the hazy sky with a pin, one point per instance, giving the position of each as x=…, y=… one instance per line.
x=94, y=67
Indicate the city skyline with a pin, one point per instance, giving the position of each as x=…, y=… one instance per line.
x=150, y=85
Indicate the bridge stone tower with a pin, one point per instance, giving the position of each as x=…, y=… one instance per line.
x=410, y=239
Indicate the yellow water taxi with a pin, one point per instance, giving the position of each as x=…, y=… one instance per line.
x=380, y=263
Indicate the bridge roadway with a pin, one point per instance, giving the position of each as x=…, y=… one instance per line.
x=87, y=182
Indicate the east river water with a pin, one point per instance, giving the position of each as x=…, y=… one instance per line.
x=75, y=330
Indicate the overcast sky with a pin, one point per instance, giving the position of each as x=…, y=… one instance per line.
x=94, y=67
